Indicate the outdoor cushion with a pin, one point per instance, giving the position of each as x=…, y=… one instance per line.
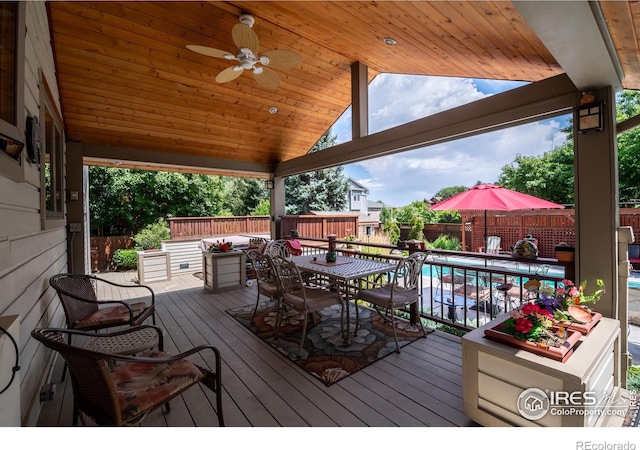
x=112, y=315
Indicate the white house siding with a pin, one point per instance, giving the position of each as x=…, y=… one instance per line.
x=29, y=255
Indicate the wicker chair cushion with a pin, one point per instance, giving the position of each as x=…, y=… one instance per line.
x=110, y=315
x=142, y=386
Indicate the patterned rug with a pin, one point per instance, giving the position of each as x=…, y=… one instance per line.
x=324, y=354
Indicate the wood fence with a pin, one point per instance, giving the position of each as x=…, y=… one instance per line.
x=320, y=225
x=103, y=248
x=550, y=227
x=203, y=227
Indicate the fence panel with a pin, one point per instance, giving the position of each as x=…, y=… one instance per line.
x=103, y=248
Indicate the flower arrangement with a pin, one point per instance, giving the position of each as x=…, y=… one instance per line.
x=567, y=302
x=532, y=323
x=220, y=246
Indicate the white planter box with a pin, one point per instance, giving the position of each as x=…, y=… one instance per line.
x=153, y=265
x=495, y=374
x=223, y=271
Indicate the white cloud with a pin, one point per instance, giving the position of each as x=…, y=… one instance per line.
x=414, y=175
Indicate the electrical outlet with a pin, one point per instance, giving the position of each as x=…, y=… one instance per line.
x=75, y=227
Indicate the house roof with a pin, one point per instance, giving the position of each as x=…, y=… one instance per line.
x=133, y=94
x=357, y=185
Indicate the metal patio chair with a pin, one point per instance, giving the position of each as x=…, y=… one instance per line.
x=403, y=289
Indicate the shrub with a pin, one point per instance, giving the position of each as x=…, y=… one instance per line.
x=633, y=378
x=393, y=231
x=446, y=242
x=125, y=259
x=417, y=225
x=152, y=235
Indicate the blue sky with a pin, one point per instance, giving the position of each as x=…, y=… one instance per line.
x=399, y=179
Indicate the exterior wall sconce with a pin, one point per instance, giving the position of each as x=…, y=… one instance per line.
x=589, y=114
x=268, y=184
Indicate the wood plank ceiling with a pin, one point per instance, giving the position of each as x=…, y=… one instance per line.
x=127, y=80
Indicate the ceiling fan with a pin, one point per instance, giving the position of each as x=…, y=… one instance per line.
x=247, y=56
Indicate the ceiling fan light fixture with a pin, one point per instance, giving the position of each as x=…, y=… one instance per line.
x=229, y=56
x=264, y=60
x=247, y=19
x=237, y=68
x=246, y=64
x=257, y=70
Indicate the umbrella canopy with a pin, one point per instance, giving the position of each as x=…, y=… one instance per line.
x=493, y=198
x=490, y=197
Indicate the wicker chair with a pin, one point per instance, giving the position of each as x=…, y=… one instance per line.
x=265, y=278
x=117, y=390
x=85, y=309
x=402, y=290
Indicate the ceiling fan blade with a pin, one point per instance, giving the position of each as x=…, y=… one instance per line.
x=208, y=51
x=244, y=36
x=268, y=78
x=228, y=74
x=282, y=59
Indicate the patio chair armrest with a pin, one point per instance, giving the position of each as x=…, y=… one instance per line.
x=170, y=358
x=144, y=286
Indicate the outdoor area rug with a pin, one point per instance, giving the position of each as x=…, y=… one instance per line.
x=324, y=354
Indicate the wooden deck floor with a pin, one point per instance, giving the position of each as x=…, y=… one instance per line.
x=421, y=386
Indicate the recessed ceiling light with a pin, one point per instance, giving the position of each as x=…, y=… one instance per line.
x=273, y=110
x=390, y=41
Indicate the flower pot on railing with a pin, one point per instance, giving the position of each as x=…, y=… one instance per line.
x=564, y=252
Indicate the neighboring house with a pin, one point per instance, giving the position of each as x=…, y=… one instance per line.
x=369, y=211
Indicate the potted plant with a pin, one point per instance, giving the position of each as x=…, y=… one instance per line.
x=564, y=252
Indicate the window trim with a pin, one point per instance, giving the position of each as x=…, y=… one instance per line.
x=55, y=219
x=10, y=167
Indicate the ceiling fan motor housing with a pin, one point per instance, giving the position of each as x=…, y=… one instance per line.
x=247, y=19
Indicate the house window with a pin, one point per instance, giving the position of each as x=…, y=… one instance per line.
x=356, y=197
x=12, y=89
x=52, y=164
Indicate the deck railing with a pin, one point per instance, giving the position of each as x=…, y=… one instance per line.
x=463, y=290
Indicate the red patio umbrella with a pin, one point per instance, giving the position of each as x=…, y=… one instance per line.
x=490, y=197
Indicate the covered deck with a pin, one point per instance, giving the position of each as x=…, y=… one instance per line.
x=421, y=386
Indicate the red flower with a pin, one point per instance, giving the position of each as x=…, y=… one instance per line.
x=523, y=325
x=545, y=312
x=530, y=308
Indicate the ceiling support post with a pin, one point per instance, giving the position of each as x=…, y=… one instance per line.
x=359, y=100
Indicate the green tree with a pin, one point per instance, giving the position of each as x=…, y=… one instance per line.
x=417, y=227
x=244, y=195
x=450, y=191
x=262, y=209
x=628, y=105
x=416, y=208
x=124, y=201
x=549, y=176
x=321, y=190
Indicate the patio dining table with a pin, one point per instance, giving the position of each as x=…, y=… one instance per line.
x=349, y=272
